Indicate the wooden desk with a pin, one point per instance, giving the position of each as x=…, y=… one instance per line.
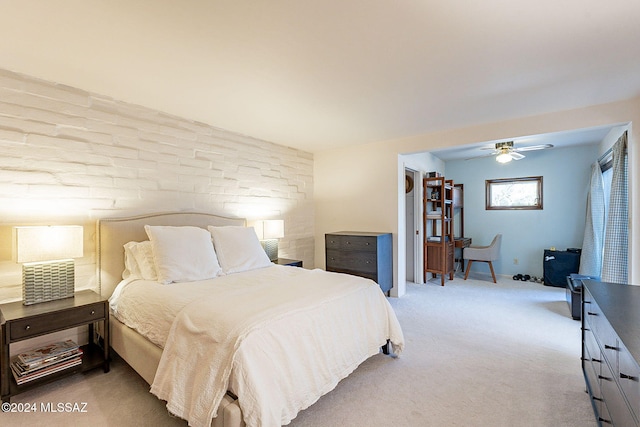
x=461, y=243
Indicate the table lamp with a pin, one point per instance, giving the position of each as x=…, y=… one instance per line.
x=46, y=254
x=269, y=231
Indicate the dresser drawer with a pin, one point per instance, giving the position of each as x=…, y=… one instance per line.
x=587, y=303
x=629, y=379
x=46, y=323
x=601, y=328
x=351, y=243
x=591, y=373
x=592, y=353
x=353, y=261
x=618, y=410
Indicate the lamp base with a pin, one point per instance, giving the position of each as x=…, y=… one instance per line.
x=270, y=246
x=47, y=281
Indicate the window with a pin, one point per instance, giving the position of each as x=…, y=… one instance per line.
x=514, y=193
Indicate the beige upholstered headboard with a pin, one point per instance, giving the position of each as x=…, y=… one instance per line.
x=113, y=233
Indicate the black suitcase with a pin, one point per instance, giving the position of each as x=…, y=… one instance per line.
x=557, y=265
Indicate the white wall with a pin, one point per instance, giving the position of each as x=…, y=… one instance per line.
x=362, y=186
x=70, y=157
x=526, y=233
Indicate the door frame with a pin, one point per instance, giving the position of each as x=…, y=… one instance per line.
x=416, y=227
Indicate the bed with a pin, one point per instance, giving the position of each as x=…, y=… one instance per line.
x=290, y=336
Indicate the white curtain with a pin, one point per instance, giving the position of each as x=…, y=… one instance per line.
x=616, y=242
x=592, y=245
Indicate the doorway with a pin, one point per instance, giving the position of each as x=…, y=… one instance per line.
x=413, y=229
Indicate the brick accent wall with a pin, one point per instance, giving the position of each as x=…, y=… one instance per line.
x=68, y=156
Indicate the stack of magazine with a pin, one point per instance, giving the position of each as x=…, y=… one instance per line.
x=43, y=361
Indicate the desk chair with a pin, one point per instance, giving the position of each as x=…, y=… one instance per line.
x=484, y=254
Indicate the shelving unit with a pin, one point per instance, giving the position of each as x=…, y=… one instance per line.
x=458, y=209
x=460, y=239
x=438, y=228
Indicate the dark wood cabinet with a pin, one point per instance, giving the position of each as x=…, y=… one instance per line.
x=364, y=254
x=21, y=322
x=611, y=351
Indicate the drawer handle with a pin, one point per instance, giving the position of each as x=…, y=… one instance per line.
x=628, y=377
x=26, y=328
x=93, y=312
x=590, y=313
x=586, y=329
x=603, y=420
x=604, y=378
x=599, y=399
x=593, y=359
x=610, y=347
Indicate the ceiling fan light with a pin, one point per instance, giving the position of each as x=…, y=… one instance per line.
x=504, y=158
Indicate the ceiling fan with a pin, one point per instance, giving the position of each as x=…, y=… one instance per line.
x=505, y=151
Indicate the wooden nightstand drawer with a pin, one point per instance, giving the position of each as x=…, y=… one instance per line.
x=46, y=323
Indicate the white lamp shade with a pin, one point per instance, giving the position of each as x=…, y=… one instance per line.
x=270, y=229
x=47, y=243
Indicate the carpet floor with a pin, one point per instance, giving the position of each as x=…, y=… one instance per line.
x=476, y=354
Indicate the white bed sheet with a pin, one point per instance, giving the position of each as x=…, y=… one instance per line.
x=283, y=338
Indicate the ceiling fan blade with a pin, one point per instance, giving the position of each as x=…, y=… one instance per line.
x=516, y=156
x=534, y=147
x=484, y=155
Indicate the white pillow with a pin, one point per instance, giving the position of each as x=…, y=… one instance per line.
x=138, y=261
x=238, y=249
x=182, y=254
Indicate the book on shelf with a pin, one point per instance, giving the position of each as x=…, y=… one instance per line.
x=46, y=360
x=437, y=238
x=434, y=214
x=23, y=369
x=48, y=370
x=48, y=353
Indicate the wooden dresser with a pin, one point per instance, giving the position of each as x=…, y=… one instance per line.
x=362, y=254
x=611, y=351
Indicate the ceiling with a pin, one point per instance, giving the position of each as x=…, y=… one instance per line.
x=322, y=74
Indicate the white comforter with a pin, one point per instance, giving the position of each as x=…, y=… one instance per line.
x=279, y=337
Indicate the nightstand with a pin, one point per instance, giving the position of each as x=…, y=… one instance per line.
x=21, y=322
x=291, y=262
